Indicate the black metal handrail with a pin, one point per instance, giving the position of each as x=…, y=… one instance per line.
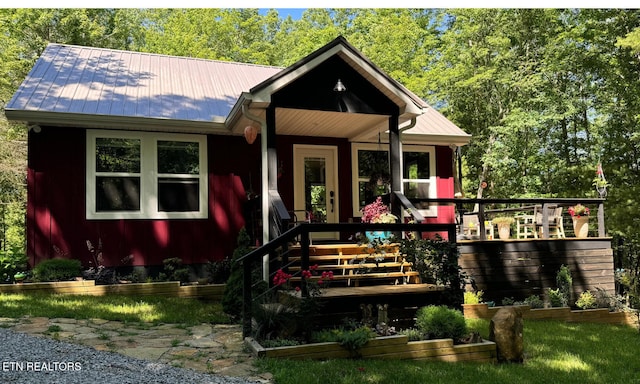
x=303, y=231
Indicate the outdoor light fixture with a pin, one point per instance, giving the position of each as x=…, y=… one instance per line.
x=339, y=87
x=250, y=133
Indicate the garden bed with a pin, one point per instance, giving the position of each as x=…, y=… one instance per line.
x=89, y=287
x=386, y=347
x=600, y=315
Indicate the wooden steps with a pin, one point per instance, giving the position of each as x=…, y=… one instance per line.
x=355, y=265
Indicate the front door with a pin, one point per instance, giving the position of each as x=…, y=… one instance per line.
x=315, y=170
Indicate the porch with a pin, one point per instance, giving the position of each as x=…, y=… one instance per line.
x=515, y=267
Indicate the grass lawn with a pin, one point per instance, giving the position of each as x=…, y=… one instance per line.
x=555, y=352
x=152, y=309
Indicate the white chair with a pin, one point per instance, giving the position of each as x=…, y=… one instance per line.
x=556, y=227
x=526, y=225
x=471, y=227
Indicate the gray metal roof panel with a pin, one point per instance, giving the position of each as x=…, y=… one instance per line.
x=74, y=79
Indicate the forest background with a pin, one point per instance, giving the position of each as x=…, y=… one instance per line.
x=546, y=93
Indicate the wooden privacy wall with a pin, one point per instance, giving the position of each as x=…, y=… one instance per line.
x=521, y=268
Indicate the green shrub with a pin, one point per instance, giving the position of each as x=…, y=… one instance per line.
x=587, y=301
x=412, y=333
x=350, y=339
x=232, y=296
x=534, y=301
x=57, y=270
x=564, y=283
x=11, y=261
x=473, y=297
x=556, y=299
x=441, y=322
x=508, y=301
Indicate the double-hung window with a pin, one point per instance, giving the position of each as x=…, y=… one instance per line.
x=371, y=167
x=143, y=175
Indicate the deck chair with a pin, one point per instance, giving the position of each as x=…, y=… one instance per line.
x=526, y=225
x=471, y=227
x=556, y=227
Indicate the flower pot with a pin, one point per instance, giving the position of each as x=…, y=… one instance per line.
x=581, y=226
x=504, y=231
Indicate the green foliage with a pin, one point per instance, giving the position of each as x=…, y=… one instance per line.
x=412, y=333
x=437, y=262
x=471, y=297
x=564, y=282
x=219, y=270
x=232, y=297
x=11, y=261
x=556, y=298
x=172, y=270
x=57, y=270
x=587, y=301
x=508, y=301
x=534, y=301
x=350, y=339
x=440, y=322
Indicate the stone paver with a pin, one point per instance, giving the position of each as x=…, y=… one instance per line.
x=206, y=348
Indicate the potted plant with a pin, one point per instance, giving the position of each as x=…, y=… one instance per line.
x=377, y=212
x=580, y=217
x=19, y=277
x=504, y=226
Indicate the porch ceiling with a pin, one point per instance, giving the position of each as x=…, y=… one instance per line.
x=297, y=122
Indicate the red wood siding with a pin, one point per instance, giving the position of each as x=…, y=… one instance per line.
x=56, y=210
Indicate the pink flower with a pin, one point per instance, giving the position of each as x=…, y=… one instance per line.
x=297, y=289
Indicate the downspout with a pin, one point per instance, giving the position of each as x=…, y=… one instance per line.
x=264, y=184
x=412, y=124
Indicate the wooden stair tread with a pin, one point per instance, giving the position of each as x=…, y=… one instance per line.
x=375, y=275
x=386, y=255
x=358, y=265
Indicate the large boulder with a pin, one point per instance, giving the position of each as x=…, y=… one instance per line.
x=506, y=331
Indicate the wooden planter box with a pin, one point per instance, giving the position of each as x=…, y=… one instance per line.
x=600, y=315
x=89, y=287
x=387, y=347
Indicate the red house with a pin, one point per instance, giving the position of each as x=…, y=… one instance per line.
x=148, y=152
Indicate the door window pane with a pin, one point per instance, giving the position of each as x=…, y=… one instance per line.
x=315, y=188
x=117, y=155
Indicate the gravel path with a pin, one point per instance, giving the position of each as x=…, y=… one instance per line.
x=29, y=359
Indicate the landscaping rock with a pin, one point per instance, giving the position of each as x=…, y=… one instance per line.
x=506, y=330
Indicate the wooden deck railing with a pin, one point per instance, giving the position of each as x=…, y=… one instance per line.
x=484, y=207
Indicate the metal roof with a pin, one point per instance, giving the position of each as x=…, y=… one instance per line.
x=95, y=87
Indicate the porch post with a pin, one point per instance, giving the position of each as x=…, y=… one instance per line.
x=395, y=158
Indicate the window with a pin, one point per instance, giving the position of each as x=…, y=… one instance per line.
x=371, y=165
x=137, y=175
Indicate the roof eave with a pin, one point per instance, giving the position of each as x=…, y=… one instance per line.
x=82, y=120
x=457, y=140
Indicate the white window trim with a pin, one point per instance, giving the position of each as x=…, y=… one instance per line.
x=433, y=190
x=148, y=176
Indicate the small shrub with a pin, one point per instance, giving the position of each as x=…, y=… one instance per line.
x=57, y=270
x=412, y=333
x=508, y=301
x=473, y=297
x=350, y=339
x=219, y=270
x=587, y=301
x=556, y=299
x=534, y=301
x=564, y=283
x=441, y=322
